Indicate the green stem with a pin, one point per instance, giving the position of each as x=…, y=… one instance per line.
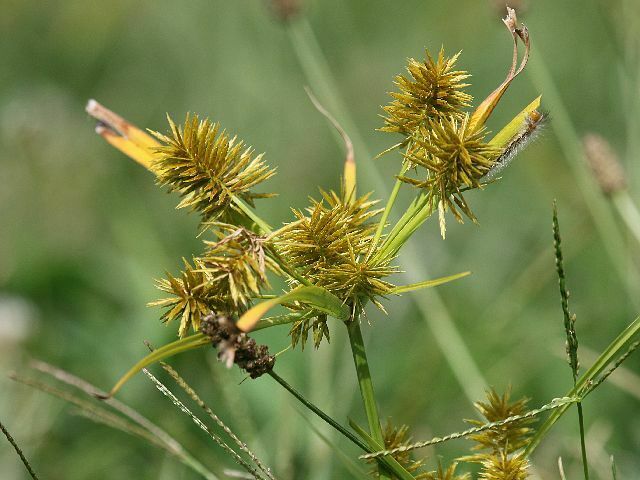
x=365, y=383
x=387, y=208
x=415, y=216
x=319, y=412
x=583, y=448
x=248, y=211
x=18, y=451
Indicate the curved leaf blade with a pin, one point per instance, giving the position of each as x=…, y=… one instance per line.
x=429, y=283
x=168, y=350
x=317, y=297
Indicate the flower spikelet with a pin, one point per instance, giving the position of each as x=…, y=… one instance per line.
x=434, y=89
x=236, y=264
x=397, y=437
x=455, y=158
x=191, y=298
x=329, y=243
x=208, y=168
x=448, y=474
x=502, y=466
x=509, y=437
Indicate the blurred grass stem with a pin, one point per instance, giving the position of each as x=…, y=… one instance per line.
x=571, y=146
x=18, y=451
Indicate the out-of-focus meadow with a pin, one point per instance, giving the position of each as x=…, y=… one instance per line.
x=84, y=231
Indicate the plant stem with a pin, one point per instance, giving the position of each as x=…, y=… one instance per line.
x=18, y=451
x=628, y=211
x=387, y=208
x=319, y=412
x=248, y=211
x=583, y=448
x=364, y=381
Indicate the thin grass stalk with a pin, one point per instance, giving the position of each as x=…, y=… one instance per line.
x=196, y=398
x=346, y=460
x=570, y=331
x=167, y=393
x=628, y=335
x=15, y=446
x=387, y=209
x=347, y=434
x=142, y=429
x=114, y=403
x=554, y=404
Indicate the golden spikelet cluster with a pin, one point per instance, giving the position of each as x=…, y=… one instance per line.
x=395, y=437
x=225, y=278
x=208, y=168
x=455, y=157
x=236, y=264
x=191, y=298
x=328, y=244
x=500, y=446
x=433, y=89
x=447, y=474
x=501, y=466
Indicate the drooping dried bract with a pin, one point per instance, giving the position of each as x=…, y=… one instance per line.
x=455, y=158
x=433, y=89
x=208, y=168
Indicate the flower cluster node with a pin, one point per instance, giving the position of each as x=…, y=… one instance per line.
x=236, y=347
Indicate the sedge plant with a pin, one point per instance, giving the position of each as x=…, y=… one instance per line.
x=339, y=255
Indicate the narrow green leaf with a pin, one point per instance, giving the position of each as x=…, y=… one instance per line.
x=168, y=350
x=317, y=297
x=429, y=283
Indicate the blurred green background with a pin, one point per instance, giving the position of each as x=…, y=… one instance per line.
x=84, y=231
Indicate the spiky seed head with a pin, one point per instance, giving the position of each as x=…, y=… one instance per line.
x=235, y=264
x=434, y=89
x=316, y=325
x=328, y=245
x=455, y=158
x=502, y=466
x=398, y=436
x=208, y=167
x=192, y=298
x=447, y=474
x=509, y=437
